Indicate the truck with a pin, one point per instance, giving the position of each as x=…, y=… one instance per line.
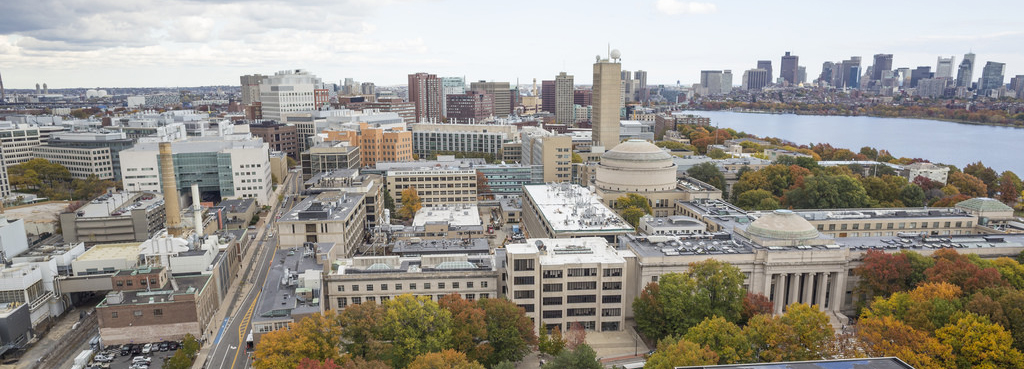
x=83, y=357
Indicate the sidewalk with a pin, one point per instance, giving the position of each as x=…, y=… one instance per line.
x=239, y=285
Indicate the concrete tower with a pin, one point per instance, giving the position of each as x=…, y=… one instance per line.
x=169, y=185
x=607, y=87
x=563, y=98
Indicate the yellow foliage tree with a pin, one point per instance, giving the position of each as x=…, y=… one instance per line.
x=317, y=337
x=447, y=359
x=411, y=203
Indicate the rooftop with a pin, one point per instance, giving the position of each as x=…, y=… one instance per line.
x=445, y=246
x=883, y=213
x=204, y=144
x=237, y=205
x=447, y=262
x=571, y=208
x=980, y=204
x=869, y=363
x=559, y=251
x=324, y=206
x=120, y=203
x=279, y=299
x=443, y=161
x=457, y=215
x=128, y=251
x=188, y=285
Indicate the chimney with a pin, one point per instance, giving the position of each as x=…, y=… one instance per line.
x=172, y=205
x=197, y=210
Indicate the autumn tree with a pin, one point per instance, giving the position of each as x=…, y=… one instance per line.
x=469, y=326
x=723, y=337
x=363, y=330
x=632, y=207
x=415, y=325
x=1010, y=187
x=887, y=336
x=987, y=175
x=882, y=274
x=316, y=337
x=582, y=357
x=709, y=288
x=307, y=363
x=754, y=304
x=550, y=343
x=953, y=268
x=411, y=203
x=509, y=331
x=675, y=351
x=927, y=307
x=811, y=332
x=968, y=184
x=1003, y=306
x=575, y=336
x=447, y=359
x=979, y=343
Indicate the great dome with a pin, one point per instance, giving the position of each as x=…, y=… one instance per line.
x=782, y=225
x=636, y=166
x=636, y=150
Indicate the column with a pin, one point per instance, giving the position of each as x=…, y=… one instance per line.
x=839, y=291
x=779, y=294
x=794, y=288
x=808, y=288
x=822, y=287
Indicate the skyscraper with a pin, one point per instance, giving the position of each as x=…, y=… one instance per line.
x=563, y=99
x=755, y=79
x=944, y=67
x=965, y=72
x=451, y=86
x=726, y=81
x=547, y=96
x=711, y=81
x=251, y=88
x=851, y=73
x=991, y=77
x=642, y=93
x=918, y=74
x=425, y=92
x=607, y=86
x=790, y=68
x=827, y=70
x=287, y=92
x=502, y=93
x=883, y=62
x=767, y=65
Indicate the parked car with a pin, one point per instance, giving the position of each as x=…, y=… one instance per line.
x=102, y=358
x=136, y=349
x=126, y=349
x=141, y=359
x=147, y=348
x=164, y=346
x=173, y=345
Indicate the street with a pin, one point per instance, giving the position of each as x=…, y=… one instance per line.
x=228, y=349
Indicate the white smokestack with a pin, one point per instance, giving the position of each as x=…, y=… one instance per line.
x=196, y=210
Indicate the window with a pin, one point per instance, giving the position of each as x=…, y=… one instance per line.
x=552, y=301
x=137, y=313
x=609, y=326
x=524, y=294
x=369, y=287
x=523, y=281
x=527, y=307
x=341, y=288
x=522, y=264
x=355, y=288
x=611, y=312
x=371, y=298
x=120, y=283
x=552, y=314
x=552, y=274
x=398, y=286
x=426, y=286
x=611, y=286
x=113, y=315
x=582, y=272
x=613, y=272
x=469, y=284
x=342, y=302
x=608, y=299
x=412, y=286
x=485, y=295
x=440, y=285
x=580, y=299
x=580, y=312
x=470, y=296
x=576, y=286
x=552, y=287
x=383, y=287
x=128, y=282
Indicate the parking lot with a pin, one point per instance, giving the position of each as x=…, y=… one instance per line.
x=125, y=362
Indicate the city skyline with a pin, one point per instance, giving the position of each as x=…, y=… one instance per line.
x=193, y=43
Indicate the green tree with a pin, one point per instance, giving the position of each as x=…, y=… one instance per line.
x=829, y=192
x=363, y=333
x=927, y=307
x=447, y=359
x=812, y=332
x=469, y=329
x=709, y=288
x=912, y=195
x=717, y=154
x=979, y=343
x=582, y=357
x=754, y=199
x=633, y=207
x=676, y=351
x=708, y=172
x=723, y=337
x=550, y=343
x=648, y=312
x=415, y=325
x=576, y=158
x=504, y=365
x=389, y=202
x=509, y=330
x=411, y=203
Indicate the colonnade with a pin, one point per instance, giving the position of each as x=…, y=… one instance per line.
x=825, y=289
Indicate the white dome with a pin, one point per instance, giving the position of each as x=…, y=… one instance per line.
x=636, y=166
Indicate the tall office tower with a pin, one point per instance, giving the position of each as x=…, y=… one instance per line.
x=883, y=62
x=563, y=99
x=251, y=88
x=425, y=92
x=965, y=72
x=826, y=72
x=470, y=107
x=711, y=81
x=903, y=76
x=851, y=72
x=726, y=81
x=755, y=79
x=350, y=87
x=547, y=96
x=502, y=93
x=918, y=74
x=451, y=86
x=944, y=67
x=801, y=74
x=991, y=77
x=1017, y=85
x=606, y=98
x=790, y=68
x=287, y=92
x=642, y=92
x=767, y=65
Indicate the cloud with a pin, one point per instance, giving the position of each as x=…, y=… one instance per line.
x=676, y=7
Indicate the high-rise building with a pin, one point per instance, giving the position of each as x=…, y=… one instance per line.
x=826, y=72
x=992, y=77
x=425, y=93
x=547, y=96
x=473, y=106
x=918, y=74
x=711, y=81
x=640, y=77
x=883, y=62
x=801, y=74
x=944, y=67
x=288, y=92
x=767, y=65
x=451, y=86
x=606, y=99
x=563, y=98
x=726, y=81
x=251, y=88
x=964, y=73
x=368, y=88
x=404, y=109
x=628, y=88
x=790, y=68
x=582, y=97
x=502, y=93
x=755, y=79
x=851, y=72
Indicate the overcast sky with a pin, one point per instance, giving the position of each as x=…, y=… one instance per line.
x=156, y=43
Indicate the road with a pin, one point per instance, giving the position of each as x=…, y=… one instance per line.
x=228, y=350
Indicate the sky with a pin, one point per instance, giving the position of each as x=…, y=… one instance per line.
x=171, y=43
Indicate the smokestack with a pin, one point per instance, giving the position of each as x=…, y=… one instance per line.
x=196, y=209
x=172, y=205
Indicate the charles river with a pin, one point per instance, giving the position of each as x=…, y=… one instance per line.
x=1001, y=148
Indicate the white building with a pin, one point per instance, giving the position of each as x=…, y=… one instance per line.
x=81, y=162
x=233, y=166
x=12, y=238
x=564, y=210
x=671, y=225
x=288, y=91
x=931, y=171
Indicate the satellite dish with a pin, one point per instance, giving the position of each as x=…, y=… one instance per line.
x=616, y=54
x=597, y=58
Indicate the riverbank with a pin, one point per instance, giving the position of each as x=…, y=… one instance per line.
x=794, y=112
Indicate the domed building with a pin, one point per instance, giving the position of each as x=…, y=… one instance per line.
x=638, y=166
x=782, y=228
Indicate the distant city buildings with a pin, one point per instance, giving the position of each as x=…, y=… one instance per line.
x=502, y=93
x=965, y=71
x=425, y=94
x=789, y=71
x=290, y=91
x=944, y=67
x=992, y=77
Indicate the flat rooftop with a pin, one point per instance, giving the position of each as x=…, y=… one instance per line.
x=571, y=208
x=415, y=264
x=279, y=301
x=457, y=215
x=127, y=251
x=203, y=144
x=324, y=206
x=188, y=285
x=120, y=203
x=853, y=214
x=427, y=247
x=559, y=251
x=236, y=205
x=869, y=363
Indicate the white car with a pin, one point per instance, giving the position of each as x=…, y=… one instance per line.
x=102, y=358
x=147, y=348
x=141, y=359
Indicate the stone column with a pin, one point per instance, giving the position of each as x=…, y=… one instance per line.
x=794, y=288
x=822, y=287
x=779, y=295
x=839, y=292
x=808, y=288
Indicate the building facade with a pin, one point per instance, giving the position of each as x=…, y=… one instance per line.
x=328, y=157
x=376, y=144
x=470, y=107
x=428, y=138
x=425, y=93
x=287, y=92
x=280, y=137
x=502, y=96
x=82, y=163
x=436, y=186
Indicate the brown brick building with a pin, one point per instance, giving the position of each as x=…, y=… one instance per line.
x=280, y=137
x=475, y=105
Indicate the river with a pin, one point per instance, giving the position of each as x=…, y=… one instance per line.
x=1001, y=148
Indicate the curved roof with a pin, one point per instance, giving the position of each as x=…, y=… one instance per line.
x=782, y=225
x=986, y=204
x=637, y=150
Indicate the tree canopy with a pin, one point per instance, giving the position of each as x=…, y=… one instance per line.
x=680, y=301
